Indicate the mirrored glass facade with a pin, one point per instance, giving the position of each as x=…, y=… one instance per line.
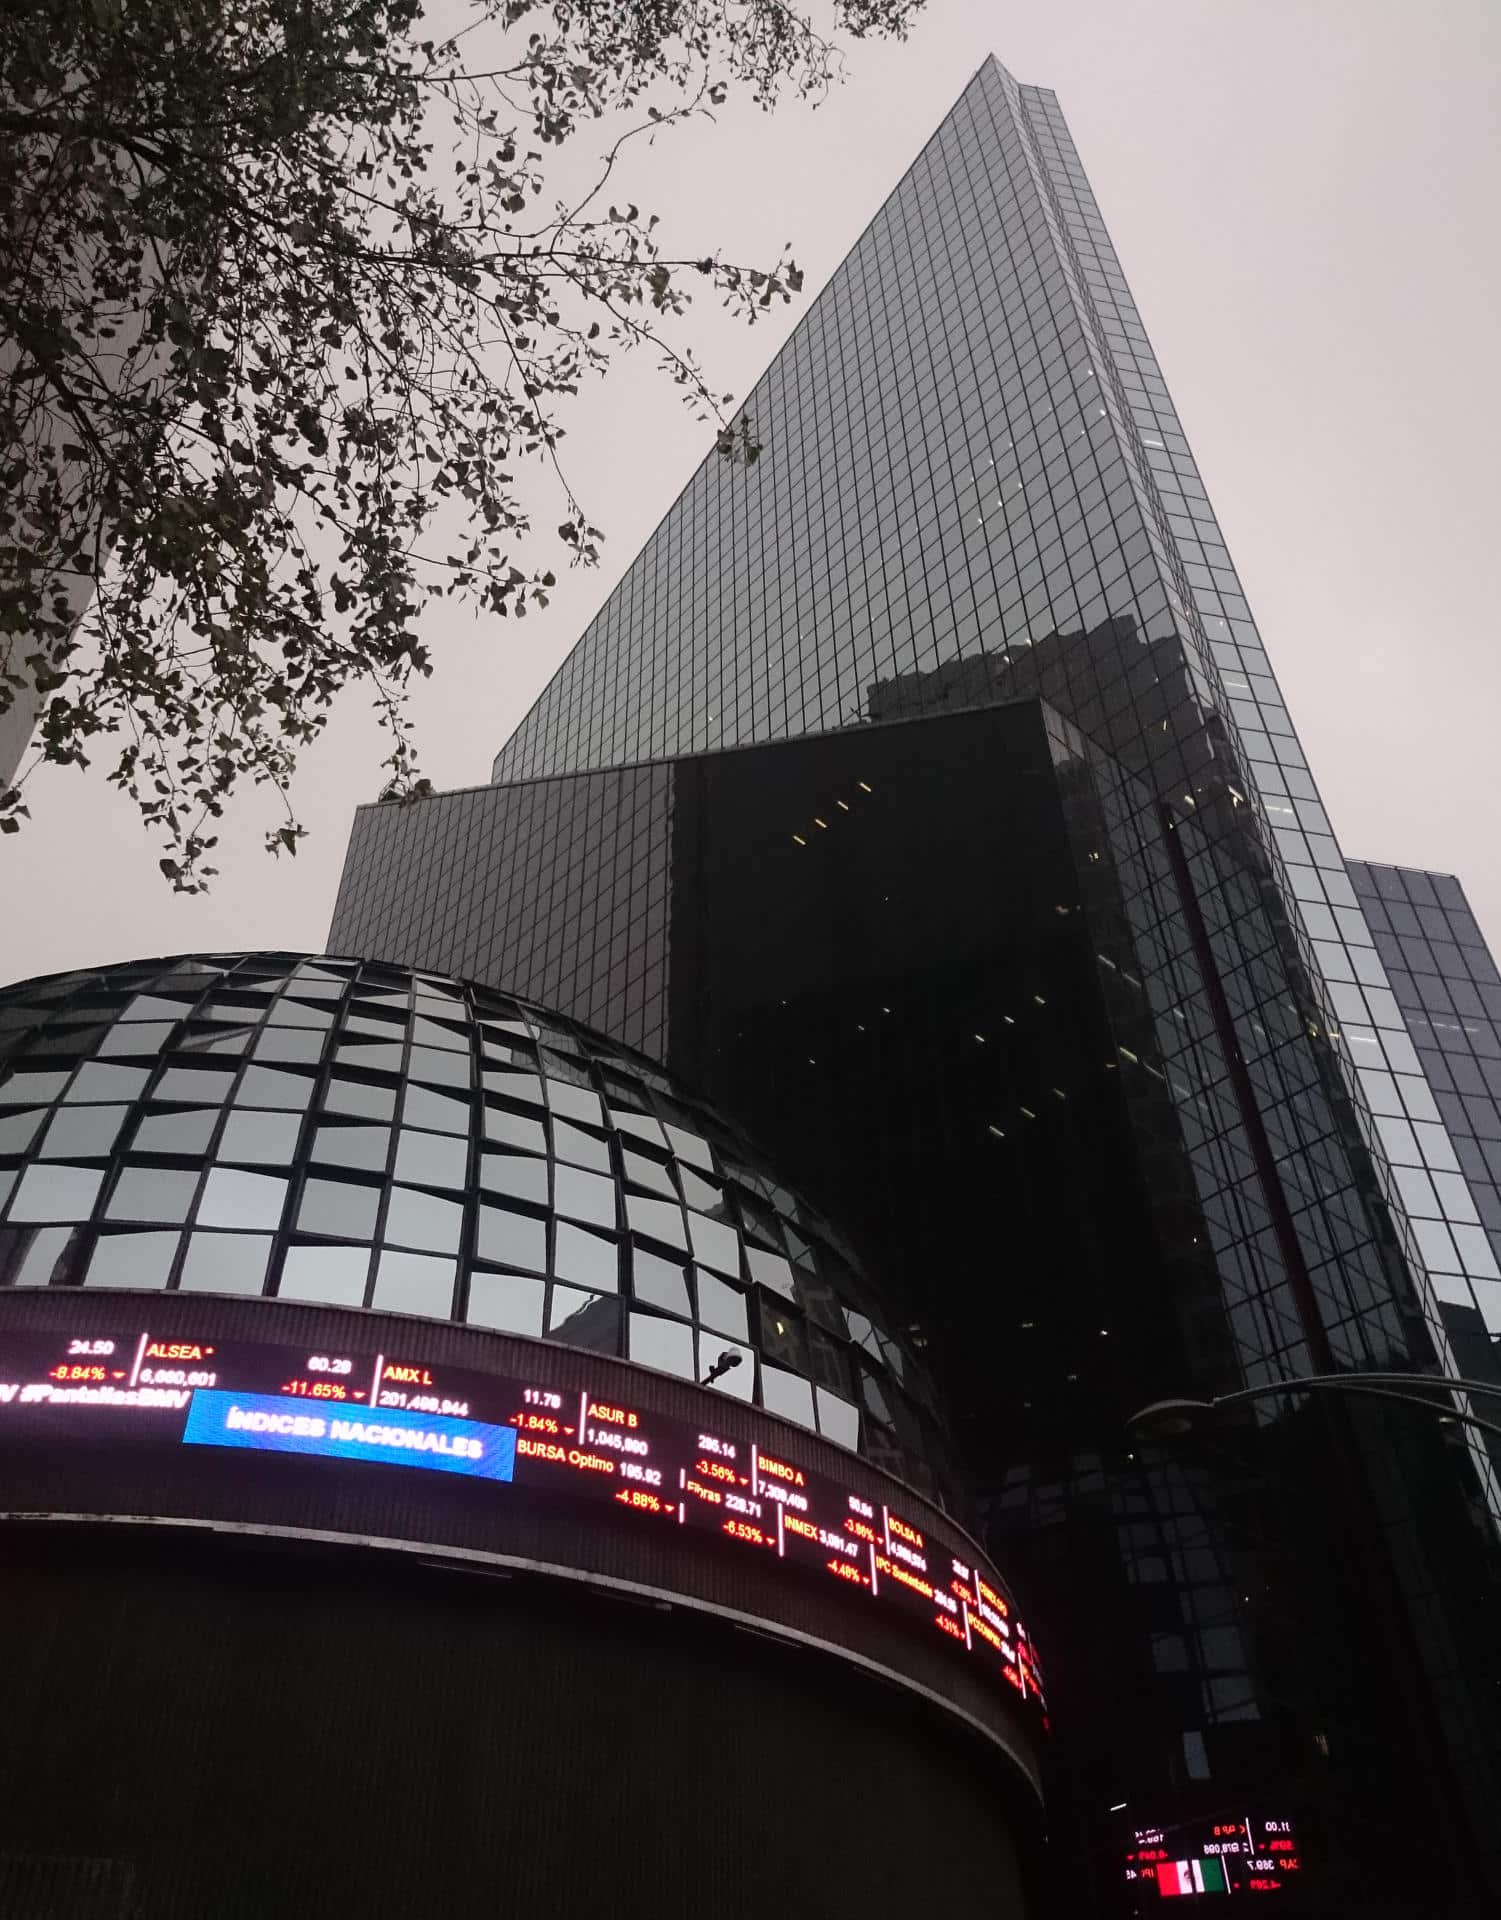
x=973, y=475
x=1449, y=990
x=924, y=796
x=436, y=1150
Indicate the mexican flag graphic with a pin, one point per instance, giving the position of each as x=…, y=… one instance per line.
x=1191, y=1876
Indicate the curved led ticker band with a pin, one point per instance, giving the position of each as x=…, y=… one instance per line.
x=662, y=1473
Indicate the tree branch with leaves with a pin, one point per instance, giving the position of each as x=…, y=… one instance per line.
x=286, y=295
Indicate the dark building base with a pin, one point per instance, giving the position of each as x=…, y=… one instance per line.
x=200, y=1726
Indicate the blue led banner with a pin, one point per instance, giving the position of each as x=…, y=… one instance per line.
x=265, y=1421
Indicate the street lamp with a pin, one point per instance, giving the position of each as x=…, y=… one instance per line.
x=729, y=1358
x=1182, y=1416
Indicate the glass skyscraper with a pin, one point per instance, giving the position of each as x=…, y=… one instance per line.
x=924, y=794
x=1449, y=989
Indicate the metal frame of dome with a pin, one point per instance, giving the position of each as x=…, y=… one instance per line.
x=365, y=1135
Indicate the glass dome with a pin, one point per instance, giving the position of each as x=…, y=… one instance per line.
x=356, y=1134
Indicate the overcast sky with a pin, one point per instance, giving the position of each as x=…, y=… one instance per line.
x=1304, y=194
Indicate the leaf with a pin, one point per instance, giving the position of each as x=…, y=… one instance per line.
x=306, y=389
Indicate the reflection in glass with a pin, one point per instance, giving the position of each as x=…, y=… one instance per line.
x=510, y=1302
x=82, y=1133
x=429, y=1033
x=582, y=1149
x=639, y=1124
x=715, y=1244
x=505, y=1055
x=23, y=1088
x=289, y=1043
x=759, y=1223
x=68, y=1042
x=372, y=1059
x=432, y=1159
x=211, y=1040
x=57, y=1193
x=132, y=1260
x=296, y=1013
x=374, y=1029
x=688, y=1146
x=657, y=1218
x=194, y=1086
x=38, y=1257
x=139, y=1036
x=179, y=987
x=506, y=1173
x=438, y=1112
x=269, y=1087
x=416, y=1219
x=362, y=1147
x=511, y=1130
x=584, y=1196
x=512, y=1239
x=821, y=1302
x=666, y=1345
x=837, y=1418
x=659, y=1283
x=772, y=1271
x=414, y=1283
x=721, y=1306
x=525, y=1087
x=877, y=1404
x=230, y=1013
x=585, y=1257
x=333, y=1274
x=621, y=1092
x=316, y=983
x=575, y=1103
x=225, y=1263
x=650, y=1174
x=94, y=1082
x=145, y=1006
x=267, y=1139
x=235, y=1199
x=353, y=1096
x=442, y=1069
x=581, y=1319
x=702, y=1194
x=560, y=1061
x=894, y=1357
x=175, y=1132
x=338, y=1207
x=787, y=1394
x=830, y=1359
x=17, y=1130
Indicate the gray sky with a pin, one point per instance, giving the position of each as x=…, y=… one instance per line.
x=1304, y=194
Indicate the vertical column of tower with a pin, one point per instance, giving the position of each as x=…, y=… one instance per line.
x=1399, y=1120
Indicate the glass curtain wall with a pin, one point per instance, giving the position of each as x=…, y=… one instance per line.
x=974, y=486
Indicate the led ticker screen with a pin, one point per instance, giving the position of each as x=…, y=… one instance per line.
x=1235, y=1854
x=661, y=1472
